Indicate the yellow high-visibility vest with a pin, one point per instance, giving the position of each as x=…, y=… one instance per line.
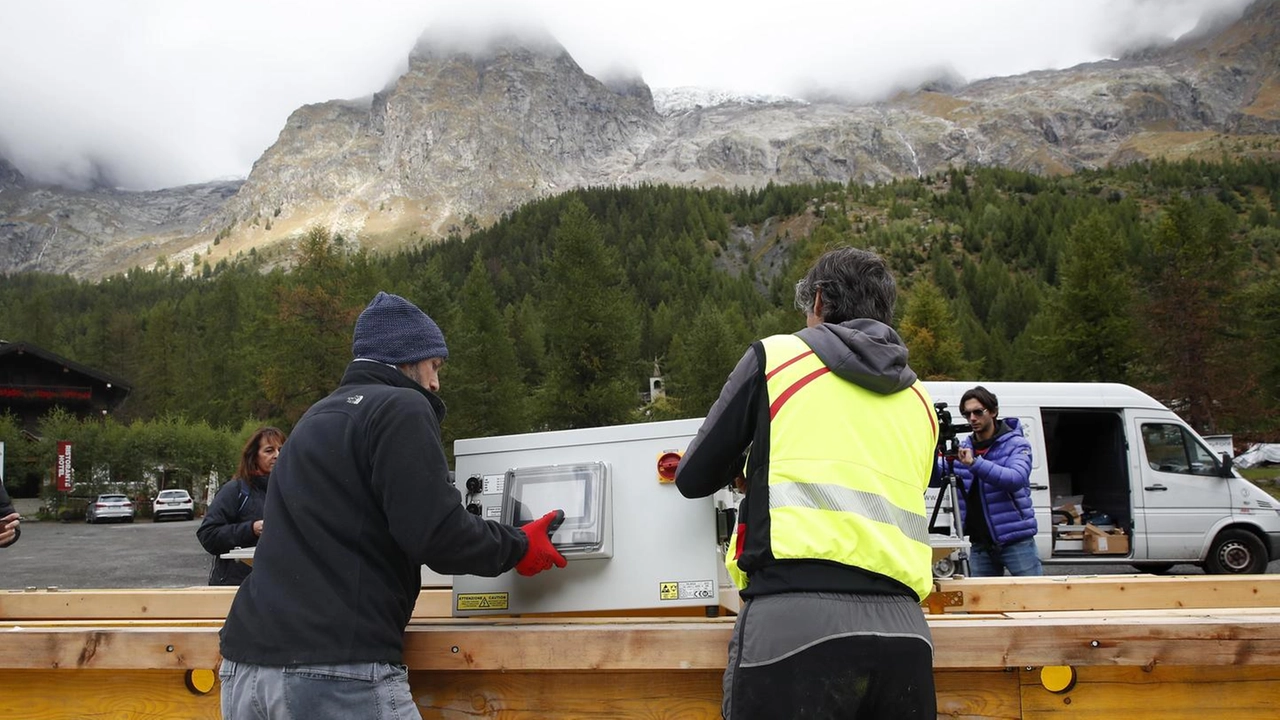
x=848, y=468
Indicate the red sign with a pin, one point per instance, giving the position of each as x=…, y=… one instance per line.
x=14, y=392
x=65, y=482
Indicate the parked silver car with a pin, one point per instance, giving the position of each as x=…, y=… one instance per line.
x=110, y=506
x=173, y=503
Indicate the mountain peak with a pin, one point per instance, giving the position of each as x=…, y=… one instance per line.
x=442, y=42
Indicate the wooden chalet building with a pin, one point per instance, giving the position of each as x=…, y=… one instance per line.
x=34, y=381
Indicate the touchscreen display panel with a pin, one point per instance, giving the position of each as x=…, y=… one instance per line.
x=538, y=498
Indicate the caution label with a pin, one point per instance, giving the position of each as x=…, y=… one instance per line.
x=687, y=590
x=482, y=601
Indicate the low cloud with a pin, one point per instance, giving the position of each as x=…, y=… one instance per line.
x=145, y=94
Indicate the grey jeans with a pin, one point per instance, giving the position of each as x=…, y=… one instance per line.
x=349, y=691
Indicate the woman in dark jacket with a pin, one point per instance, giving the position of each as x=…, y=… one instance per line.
x=234, y=518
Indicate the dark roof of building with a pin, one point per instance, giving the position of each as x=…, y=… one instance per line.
x=17, y=348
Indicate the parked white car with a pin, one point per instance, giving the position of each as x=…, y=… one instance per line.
x=172, y=503
x=109, y=506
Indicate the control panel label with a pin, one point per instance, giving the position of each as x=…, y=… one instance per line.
x=687, y=590
x=482, y=601
x=495, y=484
x=493, y=512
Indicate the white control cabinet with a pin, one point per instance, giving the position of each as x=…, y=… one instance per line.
x=632, y=541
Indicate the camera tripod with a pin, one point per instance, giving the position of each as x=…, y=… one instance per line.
x=950, y=547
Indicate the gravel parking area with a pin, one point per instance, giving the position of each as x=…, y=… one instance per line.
x=77, y=555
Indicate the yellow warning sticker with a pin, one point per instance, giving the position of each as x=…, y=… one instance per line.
x=687, y=590
x=482, y=601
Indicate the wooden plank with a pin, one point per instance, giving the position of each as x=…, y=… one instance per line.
x=692, y=695
x=121, y=648
x=1109, y=592
x=103, y=695
x=1169, y=693
x=975, y=595
x=568, y=696
x=978, y=694
x=199, y=603
x=530, y=645
x=687, y=644
x=1141, y=641
x=174, y=603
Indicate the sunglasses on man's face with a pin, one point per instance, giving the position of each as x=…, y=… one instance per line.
x=979, y=412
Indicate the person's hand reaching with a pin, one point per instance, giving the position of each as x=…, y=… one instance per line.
x=541, y=554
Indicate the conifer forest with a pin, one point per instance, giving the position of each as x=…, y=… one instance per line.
x=1159, y=275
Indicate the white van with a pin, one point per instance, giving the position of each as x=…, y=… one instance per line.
x=1113, y=456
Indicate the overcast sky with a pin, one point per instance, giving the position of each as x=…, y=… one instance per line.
x=157, y=93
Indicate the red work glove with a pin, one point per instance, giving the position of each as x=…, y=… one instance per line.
x=541, y=553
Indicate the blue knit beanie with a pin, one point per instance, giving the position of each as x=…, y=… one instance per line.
x=394, y=331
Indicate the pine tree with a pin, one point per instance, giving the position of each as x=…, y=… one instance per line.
x=702, y=355
x=482, y=382
x=1090, y=317
x=929, y=330
x=309, y=338
x=1192, y=270
x=592, y=331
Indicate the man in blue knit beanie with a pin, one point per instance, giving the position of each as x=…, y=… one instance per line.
x=394, y=331
x=359, y=500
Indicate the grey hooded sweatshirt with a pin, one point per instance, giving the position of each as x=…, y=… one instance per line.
x=866, y=352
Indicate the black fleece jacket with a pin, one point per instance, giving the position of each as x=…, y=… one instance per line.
x=228, y=524
x=358, y=501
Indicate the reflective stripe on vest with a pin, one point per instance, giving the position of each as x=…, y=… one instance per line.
x=847, y=486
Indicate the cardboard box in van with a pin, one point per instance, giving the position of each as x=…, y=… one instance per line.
x=1105, y=542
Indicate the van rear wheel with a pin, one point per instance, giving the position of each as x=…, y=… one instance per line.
x=1236, y=551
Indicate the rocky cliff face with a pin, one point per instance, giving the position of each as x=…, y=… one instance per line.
x=458, y=134
x=473, y=134
x=94, y=233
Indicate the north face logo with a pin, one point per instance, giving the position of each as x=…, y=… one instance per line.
x=355, y=399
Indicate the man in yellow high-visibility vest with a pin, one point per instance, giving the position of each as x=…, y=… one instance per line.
x=831, y=552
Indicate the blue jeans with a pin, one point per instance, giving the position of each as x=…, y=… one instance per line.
x=350, y=691
x=991, y=560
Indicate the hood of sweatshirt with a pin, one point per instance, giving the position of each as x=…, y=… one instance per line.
x=865, y=352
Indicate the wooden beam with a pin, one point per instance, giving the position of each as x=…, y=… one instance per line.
x=579, y=645
x=978, y=694
x=569, y=695
x=185, y=603
x=119, y=648
x=1135, y=639
x=1144, y=640
x=1106, y=592
x=1159, y=692
x=198, y=603
x=155, y=695
x=1119, y=692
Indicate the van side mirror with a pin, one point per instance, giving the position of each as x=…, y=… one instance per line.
x=1227, y=464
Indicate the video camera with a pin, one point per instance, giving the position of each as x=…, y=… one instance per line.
x=948, y=442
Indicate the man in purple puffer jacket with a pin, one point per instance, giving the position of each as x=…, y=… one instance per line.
x=994, y=467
